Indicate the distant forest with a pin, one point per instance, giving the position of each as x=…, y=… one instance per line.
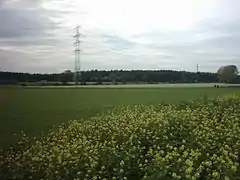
x=115, y=76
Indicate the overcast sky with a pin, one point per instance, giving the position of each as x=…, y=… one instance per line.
x=37, y=35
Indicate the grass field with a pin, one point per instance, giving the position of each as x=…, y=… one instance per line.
x=35, y=110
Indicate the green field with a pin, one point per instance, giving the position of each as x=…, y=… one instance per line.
x=37, y=110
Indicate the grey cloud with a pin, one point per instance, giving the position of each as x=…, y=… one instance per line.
x=12, y=60
x=31, y=41
x=117, y=43
x=24, y=61
x=20, y=23
x=25, y=22
x=210, y=38
x=35, y=41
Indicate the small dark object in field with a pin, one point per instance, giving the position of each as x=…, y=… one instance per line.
x=23, y=84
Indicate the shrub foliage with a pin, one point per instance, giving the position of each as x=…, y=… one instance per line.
x=198, y=140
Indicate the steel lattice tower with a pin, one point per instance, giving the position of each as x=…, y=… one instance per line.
x=197, y=77
x=77, y=67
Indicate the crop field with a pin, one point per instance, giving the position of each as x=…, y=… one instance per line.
x=138, y=138
x=36, y=110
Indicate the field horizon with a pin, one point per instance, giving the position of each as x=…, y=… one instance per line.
x=132, y=85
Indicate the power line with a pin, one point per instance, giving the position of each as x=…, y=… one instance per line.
x=77, y=65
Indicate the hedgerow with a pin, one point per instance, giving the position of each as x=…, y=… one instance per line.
x=196, y=140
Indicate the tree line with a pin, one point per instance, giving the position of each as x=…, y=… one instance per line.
x=120, y=76
x=113, y=76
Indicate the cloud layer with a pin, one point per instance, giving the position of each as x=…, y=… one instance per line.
x=37, y=36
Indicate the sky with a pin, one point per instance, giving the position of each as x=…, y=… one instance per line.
x=36, y=36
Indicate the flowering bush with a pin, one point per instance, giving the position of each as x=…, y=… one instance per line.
x=198, y=140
